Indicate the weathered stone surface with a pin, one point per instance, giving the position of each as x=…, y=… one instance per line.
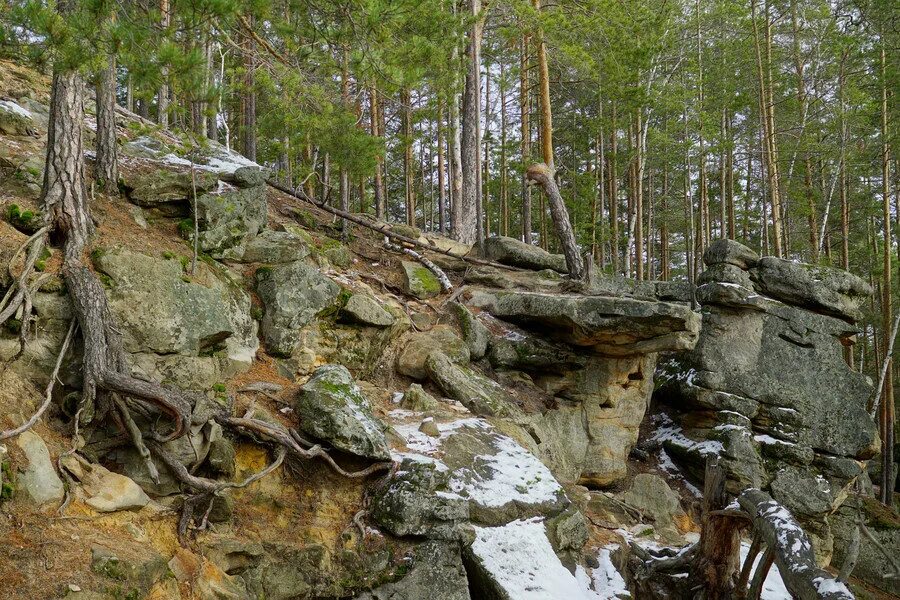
x=331, y=408
x=246, y=177
x=476, y=392
x=825, y=290
x=285, y=572
x=275, y=247
x=165, y=189
x=38, y=477
x=419, y=281
x=418, y=500
x=158, y=311
x=437, y=572
x=419, y=345
x=103, y=490
x=137, y=567
x=292, y=295
x=730, y=252
x=510, y=251
x=533, y=354
x=651, y=495
x=806, y=493
x=610, y=326
x=473, y=330
x=366, y=310
x=228, y=219
x=418, y=399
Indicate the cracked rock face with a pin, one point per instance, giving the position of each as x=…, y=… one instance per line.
x=767, y=387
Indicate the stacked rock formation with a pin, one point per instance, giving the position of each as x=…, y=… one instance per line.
x=767, y=388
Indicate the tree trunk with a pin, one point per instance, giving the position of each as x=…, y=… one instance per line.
x=376, y=132
x=344, y=174
x=484, y=211
x=614, y=194
x=542, y=175
x=467, y=230
x=544, y=85
x=250, y=100
x=719, y=565
x=409, y=190
x=887, y=404
x=442, y=191
x=162, y=105
x=524, y=116
x=107, y=163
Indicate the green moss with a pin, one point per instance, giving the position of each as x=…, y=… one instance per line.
x=305, y=218
x=423, y=280
x=219, y=387
x=168, y=254
x=13, y=325
x=185, y=263
x=186, y=228
x=97, y=254
x=8, y=489
x=23, y=220
x=256, y=313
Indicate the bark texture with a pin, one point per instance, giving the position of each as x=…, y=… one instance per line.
x=542, y=175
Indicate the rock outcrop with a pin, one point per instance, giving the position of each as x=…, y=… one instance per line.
x=767, y=388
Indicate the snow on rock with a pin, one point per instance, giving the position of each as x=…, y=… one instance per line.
x=606, y=583
x=14, y=108
x=667, y=432
x=518, y=561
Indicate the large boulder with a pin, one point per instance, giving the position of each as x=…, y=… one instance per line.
x=275, y=247
x=228, y=218
x=104, y=490
x=730, y=252
x=510, y=251
x=883, y=524
x=481, y=395
x=825, y=290
x=292, y=295
x=168, y=190
x=167, y=318
x=419, y=281
x=419, y=345
x=331, y=408
x=436, y=572
x=15, y=120
x=608, y=325
x=366, y=310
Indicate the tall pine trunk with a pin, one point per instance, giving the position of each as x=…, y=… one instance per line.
x=466, y=228
x=107, y=164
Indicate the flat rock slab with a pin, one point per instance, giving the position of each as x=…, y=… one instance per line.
x=510, y=251
x=39, y=480
x=610, y=326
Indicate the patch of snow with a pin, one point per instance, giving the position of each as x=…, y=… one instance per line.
x=419, y=458
x=769, y=440
x=396, y=397
x=668, y=431
x=519, y=558
x=606, y=581
x=667, y=465
x=773, y=586
x=402, y=413
x=830, y=586
x=15, y=108
x=514, y=475
x=514, y=336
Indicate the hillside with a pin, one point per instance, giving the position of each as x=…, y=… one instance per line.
x=518, y=435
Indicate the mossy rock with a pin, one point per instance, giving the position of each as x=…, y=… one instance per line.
x=419, y=281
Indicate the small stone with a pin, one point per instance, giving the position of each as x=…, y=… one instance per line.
x=474, y=332
x=74, y=588
x=441, y=338
x=416, y=398
x=429, y=427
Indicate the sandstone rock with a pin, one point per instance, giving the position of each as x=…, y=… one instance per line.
x=158, y=311
x=165, y=189
x=366, y=310
x=730, y=252
x=531, y=353
x=104, y=490
x=419, y=345
x=476, y=392
x=429, y=427
x=474, y=332
x=437, y=572
x=825, y=290
x=246, y=177
x=510, y=251
x=286, y=572
x=275, y=247
x=331, y=408
x=292, y=295
x=806, y=493
x=417, y=500
x=38, y=479
x=136, y=568
x=228, y=219
x=726, y=273
x=504, y=279
x=610, y=326
x=419, y=281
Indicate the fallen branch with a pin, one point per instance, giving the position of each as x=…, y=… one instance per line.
x=441, y=276
x=884, y=367
x=48, y=394
x=384, y=229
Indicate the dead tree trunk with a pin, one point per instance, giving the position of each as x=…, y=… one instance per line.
x=542, y=175
x=718, y=563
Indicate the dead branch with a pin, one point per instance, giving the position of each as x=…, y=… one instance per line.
x=384, y=229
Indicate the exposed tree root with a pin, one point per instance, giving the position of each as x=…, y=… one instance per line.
x=48, y=394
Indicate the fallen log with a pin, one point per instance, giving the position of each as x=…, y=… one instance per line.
x=790, y=549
